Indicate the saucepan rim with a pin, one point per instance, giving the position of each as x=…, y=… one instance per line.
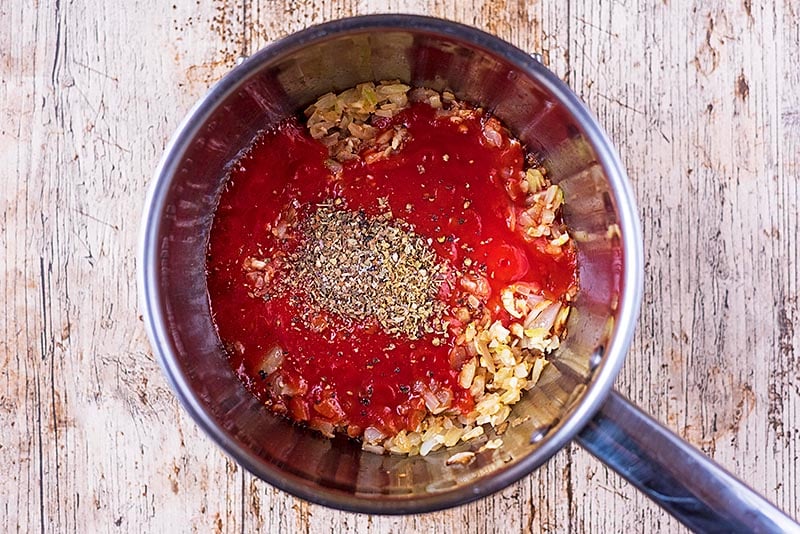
x=152, y=300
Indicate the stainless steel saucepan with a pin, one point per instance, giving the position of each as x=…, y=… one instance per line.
x=574, y=399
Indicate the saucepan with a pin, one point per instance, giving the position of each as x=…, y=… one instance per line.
x=573, y=400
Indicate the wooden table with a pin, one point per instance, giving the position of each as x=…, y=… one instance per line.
x=702, y=99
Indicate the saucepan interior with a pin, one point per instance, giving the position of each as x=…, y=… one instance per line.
x=284, y=78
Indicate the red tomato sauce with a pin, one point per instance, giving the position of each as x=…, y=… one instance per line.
x=450, y=184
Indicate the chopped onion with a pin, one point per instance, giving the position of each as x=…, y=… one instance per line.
x=431, y=401
x=467, y=373
x=445, y=397
x=428, y=446
x=546, y=318
x=372, y=435
x=374, y=449
x=461, y=458
x=492, y=136
x=272, y=360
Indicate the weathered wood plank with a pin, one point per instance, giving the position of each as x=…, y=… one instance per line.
x=700, y=98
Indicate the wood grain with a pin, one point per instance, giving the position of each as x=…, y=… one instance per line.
x=702, y=100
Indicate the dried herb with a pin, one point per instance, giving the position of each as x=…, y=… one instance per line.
x=363, y=267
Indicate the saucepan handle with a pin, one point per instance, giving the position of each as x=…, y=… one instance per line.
x=678, y=477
